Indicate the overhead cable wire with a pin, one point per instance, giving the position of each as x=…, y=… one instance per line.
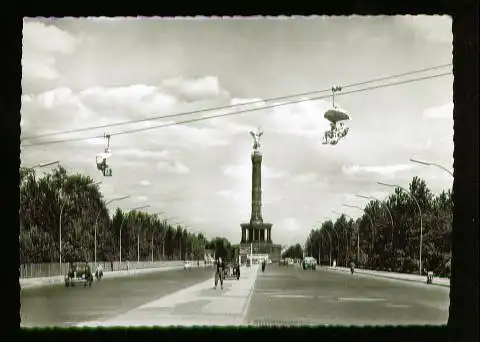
x=168, y=116
x=240, y=111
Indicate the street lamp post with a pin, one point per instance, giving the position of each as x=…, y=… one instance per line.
x=371, y=223
x=121, y=225
x=346, y=239
x=338, y=238
x=319, y=250
x=153, y=232
x=358, y=239
x=329, y=245
x=164, y=234
x=358, y=234
x=427, y=163
x=388, y=211
x=419, y=212
x=138, y=239
x=60, y=232
x=96, y=221
x=319, y=247
x=179, y=224
x=185, y=247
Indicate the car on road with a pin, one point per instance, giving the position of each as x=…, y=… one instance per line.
x=79, y=274
x=309, y=263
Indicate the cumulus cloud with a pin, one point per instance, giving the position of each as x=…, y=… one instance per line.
x=42, y=43
x=382, y=170
x=193, y=89
x=145, y=183
x=144, y=99
x=304, y=119
x=61, y=107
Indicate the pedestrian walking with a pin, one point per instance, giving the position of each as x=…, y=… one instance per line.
x=219, y=272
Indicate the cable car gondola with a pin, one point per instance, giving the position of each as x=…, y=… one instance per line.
x=101, y=159
x=337, y=128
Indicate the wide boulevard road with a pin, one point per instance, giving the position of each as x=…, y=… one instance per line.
x=279, y=296
x=290, y=295
x=61, y=306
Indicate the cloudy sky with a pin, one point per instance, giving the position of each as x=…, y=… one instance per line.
x=89, y=72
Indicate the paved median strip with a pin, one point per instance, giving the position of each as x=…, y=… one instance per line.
x=199, y=304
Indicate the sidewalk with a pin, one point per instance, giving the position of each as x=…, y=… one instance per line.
x=197, y=305
x=400, y=276
x=26, y=283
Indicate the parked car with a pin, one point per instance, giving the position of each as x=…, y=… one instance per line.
x=309, y=263
x=79, y=274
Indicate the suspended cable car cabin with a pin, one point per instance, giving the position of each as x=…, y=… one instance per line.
x=101, y=160
x=335, y=115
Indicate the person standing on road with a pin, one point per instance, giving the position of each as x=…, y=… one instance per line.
x=219, y=272
x=99, y=272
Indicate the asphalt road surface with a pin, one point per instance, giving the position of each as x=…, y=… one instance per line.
x=66, y=306
x=292, y=296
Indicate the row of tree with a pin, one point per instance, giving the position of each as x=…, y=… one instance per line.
x=387, y=236
x=293, y=252
x=63, y=207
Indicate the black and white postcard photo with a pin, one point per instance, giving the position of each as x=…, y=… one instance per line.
x=242, y=171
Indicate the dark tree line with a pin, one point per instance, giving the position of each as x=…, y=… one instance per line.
x=60, y=205
x=387, y=235
x=293, y=252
